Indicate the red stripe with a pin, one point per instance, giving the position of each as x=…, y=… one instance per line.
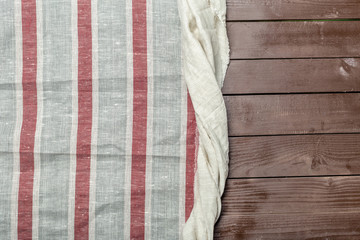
x=138, y=166
x=27, y=136
x=191, y=157
x=83, y=146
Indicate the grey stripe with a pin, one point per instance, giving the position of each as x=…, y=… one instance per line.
x=57, y=114
x=150, y=123
x=7, y=112
x=110, y=167
x=95, y=121
x=167, y=120
x=129, y=119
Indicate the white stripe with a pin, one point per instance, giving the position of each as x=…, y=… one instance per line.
x=182, y=176
x=150, y=103
x=95, y=118
x=129, y=121
x=17, y=131
x=74, y=126
x=37, y=146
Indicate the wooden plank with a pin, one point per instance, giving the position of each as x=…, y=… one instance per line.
x=293, y=75
x=290, y=208
x=294, y=39
x=291, y=9
x=299, y=155
x=291, y=195
x=293, y=114
x=315, y=226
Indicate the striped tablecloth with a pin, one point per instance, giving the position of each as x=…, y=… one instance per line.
x=98, y=137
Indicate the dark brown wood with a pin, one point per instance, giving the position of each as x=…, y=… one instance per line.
x=294, y=39
x=309, y=226
x=297, y=202
x=291, y=208
x=299, y=155
x=293, y=114
x=292, y=75
x=306, y=195
x=292, y=9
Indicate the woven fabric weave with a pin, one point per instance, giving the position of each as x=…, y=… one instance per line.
x=98, y=130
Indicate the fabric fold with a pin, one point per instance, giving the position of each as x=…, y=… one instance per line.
x=205, y=57
x=108, y=108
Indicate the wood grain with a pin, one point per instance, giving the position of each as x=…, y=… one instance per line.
x=292, y=76
x=299, y=155
x=310, y=226
x=293, y=57
x=291, y=9
x=294, y=39
x=306, y=195
x=293, y=114
x=290, y=208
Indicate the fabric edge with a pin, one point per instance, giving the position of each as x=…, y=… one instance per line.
x=206, y=56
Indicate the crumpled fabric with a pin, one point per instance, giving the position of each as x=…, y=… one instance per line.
x=206, y=56
x=99, y=137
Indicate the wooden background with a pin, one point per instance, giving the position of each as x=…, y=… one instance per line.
x=292, y=93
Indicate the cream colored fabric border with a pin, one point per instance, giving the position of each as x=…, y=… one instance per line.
x=206, y=56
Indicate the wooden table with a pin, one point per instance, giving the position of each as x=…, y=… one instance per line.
x=293, y=99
